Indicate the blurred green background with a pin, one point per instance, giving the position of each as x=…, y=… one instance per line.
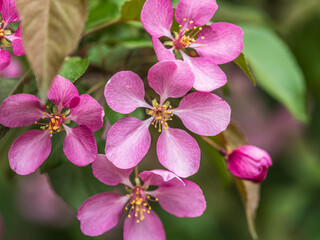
x=290, y=196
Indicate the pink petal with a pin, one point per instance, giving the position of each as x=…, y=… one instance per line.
x=5, y=58
x=170, y=79
x=100, y=213
x=156, y=17
x=249, y=162
x=178, y=152
x=208, y=76
x=80, y=145
x=88, y=112
x=149, y=228
x=161, y=51
x=125, y=92
x=14, y=70
x=222, y=43
x=160, y=177
x=29, y=151
x=63, y=93
x=16, y=40
x=200, y=12
x=9, y=12
x=182, y=201
x=204, y=113
x=128, y=141
x=109, y=174
x=21, y=110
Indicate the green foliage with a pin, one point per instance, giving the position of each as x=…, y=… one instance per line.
x=242, y=62
x=131, y=10
x=74, y=67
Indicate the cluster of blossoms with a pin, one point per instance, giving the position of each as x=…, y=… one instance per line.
x=128, y=140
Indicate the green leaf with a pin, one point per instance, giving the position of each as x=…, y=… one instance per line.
x=242, y=62
x=276, y=69
x=74, y=67
x=131, y=9
x=51, y=29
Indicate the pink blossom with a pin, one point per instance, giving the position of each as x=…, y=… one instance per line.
x=128, y=140
x=9, y=15
x=215, y=44
x=32, y=148
x=102, y=212
x=14, y=69
x=249, y=162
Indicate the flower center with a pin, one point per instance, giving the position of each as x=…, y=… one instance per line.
x=2, y=33
x=53, y=120
x=139, y=204
x=161, y=114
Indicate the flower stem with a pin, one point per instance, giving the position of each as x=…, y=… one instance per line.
x=22, y=79
x=136, y=178
x=220, y=149
x=99, y=27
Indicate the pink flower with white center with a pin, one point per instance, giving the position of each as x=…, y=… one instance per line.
x=102, y=212
x=249, y=162
x=9, y=15
x=128, y=140
x=215, y=44
x=32, y=148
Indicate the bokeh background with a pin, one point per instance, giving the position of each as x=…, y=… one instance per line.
x=290, y=196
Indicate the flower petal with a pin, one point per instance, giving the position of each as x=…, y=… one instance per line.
x=88, y=112
x=16, y=40
x=156, y=17
x=179, y=152
x=63, y=93
x=109, y=174
x=208, y=76
x=128, y=141
x=170, y=79
x=21, y=110
x=29, y=151
x=149, y=228
x=125, y=92
x=100, y=213
x=161, y=51
x=200, y=12
x=182, y=201
x=160, y=177
x=80, y=145
x=204, y=113
x=5, y=58
x=14, y=70
x=9, y=12
x=222, y=43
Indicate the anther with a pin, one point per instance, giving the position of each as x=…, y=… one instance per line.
x=191, y=22
x=184, y=19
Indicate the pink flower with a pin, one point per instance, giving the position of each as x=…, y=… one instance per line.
x=249, y=162
x=215, y=44
x=9, y=15
x=128, y=140
x=103, y=211
x=14, y=69
x=32, y=148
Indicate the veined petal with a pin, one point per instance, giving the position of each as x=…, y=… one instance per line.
x=80, y=145
x=149, y=228
x=179, y=152
x=128, y=141
x=29, y=151
x=21, y=110
x=156, y=17
x=5, y=58
x=88, y=112
x=208, y=75
x=182, y=201
x=16, y=40
x=9, y=12
x=170, y=79
x=125, y=92
x=109, y=174
x=204, y=113
x=160, y=177
x=198, y=12
x=100, y=213
x=161, y=51
x=63, y=93
x=222, y=43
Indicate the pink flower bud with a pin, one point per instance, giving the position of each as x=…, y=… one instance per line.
x=249, y=162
